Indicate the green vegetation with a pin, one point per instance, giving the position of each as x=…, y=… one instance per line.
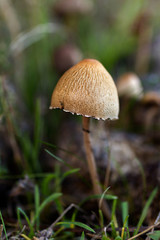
x=45, y=191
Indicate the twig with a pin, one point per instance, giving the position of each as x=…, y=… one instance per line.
x=145, y=231
x=94, y=236
x=108, y=170
x=99, y=235
x=49, y=231
x=63, y=214
x=156, y=221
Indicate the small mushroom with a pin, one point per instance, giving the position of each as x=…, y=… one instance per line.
x=87, y=89
x=66, y=56
x=129, y=85
x=70, y=7
x=130, y=92
x=151, y=98
x=149, y=111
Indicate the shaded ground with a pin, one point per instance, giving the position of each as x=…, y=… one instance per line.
x=135, y=172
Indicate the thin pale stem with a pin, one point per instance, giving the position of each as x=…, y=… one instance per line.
x=108, y=170
x=92, y=165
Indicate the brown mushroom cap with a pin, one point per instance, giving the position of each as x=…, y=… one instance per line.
x=87, y=89
x=66, y=56
x=129, y=85
x=152, y=98
x=67, y=7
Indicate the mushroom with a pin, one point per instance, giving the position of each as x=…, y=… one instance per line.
x=151, y=98
x=149, y=111
x=130, y=92
x=70, y=7
x=129, y=85
x=87, y=89
x=66, y=56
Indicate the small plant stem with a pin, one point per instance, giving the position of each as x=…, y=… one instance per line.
x=92, y=165
x=63, y=214
x=145, y=231
x=108, y=170
x=152, y=230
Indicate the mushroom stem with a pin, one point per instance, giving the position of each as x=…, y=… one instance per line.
x=92, y=165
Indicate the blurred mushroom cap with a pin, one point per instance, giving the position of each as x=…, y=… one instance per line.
x=67, y=7
x=129, y=85
x=66, y=56
x=87, y=89
x=151, y=98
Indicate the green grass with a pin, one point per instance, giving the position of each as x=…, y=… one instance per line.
x=145, y=210
x=34, y=223
x=64, y=227
x=4, y=227
x=28, y=69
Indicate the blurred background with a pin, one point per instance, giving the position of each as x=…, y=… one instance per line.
x=39, y=41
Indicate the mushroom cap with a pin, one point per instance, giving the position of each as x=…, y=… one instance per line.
x=87, y=89
x=66, y=56
x=68, y=7
x=152, y=98
x=129, y=85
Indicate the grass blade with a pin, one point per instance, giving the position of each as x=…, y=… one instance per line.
x=51, y=198
x=104, y=237
x=114, y=208
x=62, y=149
x=125, y=213
x=19, y=210
x=57, y=158
x=4, y=228
x=118, y=238
x=123, y=233
x=25, y=237
x=19, y=219
x=101, y=219
x=46, y=183
x=37, y=203
x=96, y=196
x=114, y=233
x=145, y=209
x=102, y=197
x=82, y=236
x=114, y=223
x=79, y=224
x=72, y=171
